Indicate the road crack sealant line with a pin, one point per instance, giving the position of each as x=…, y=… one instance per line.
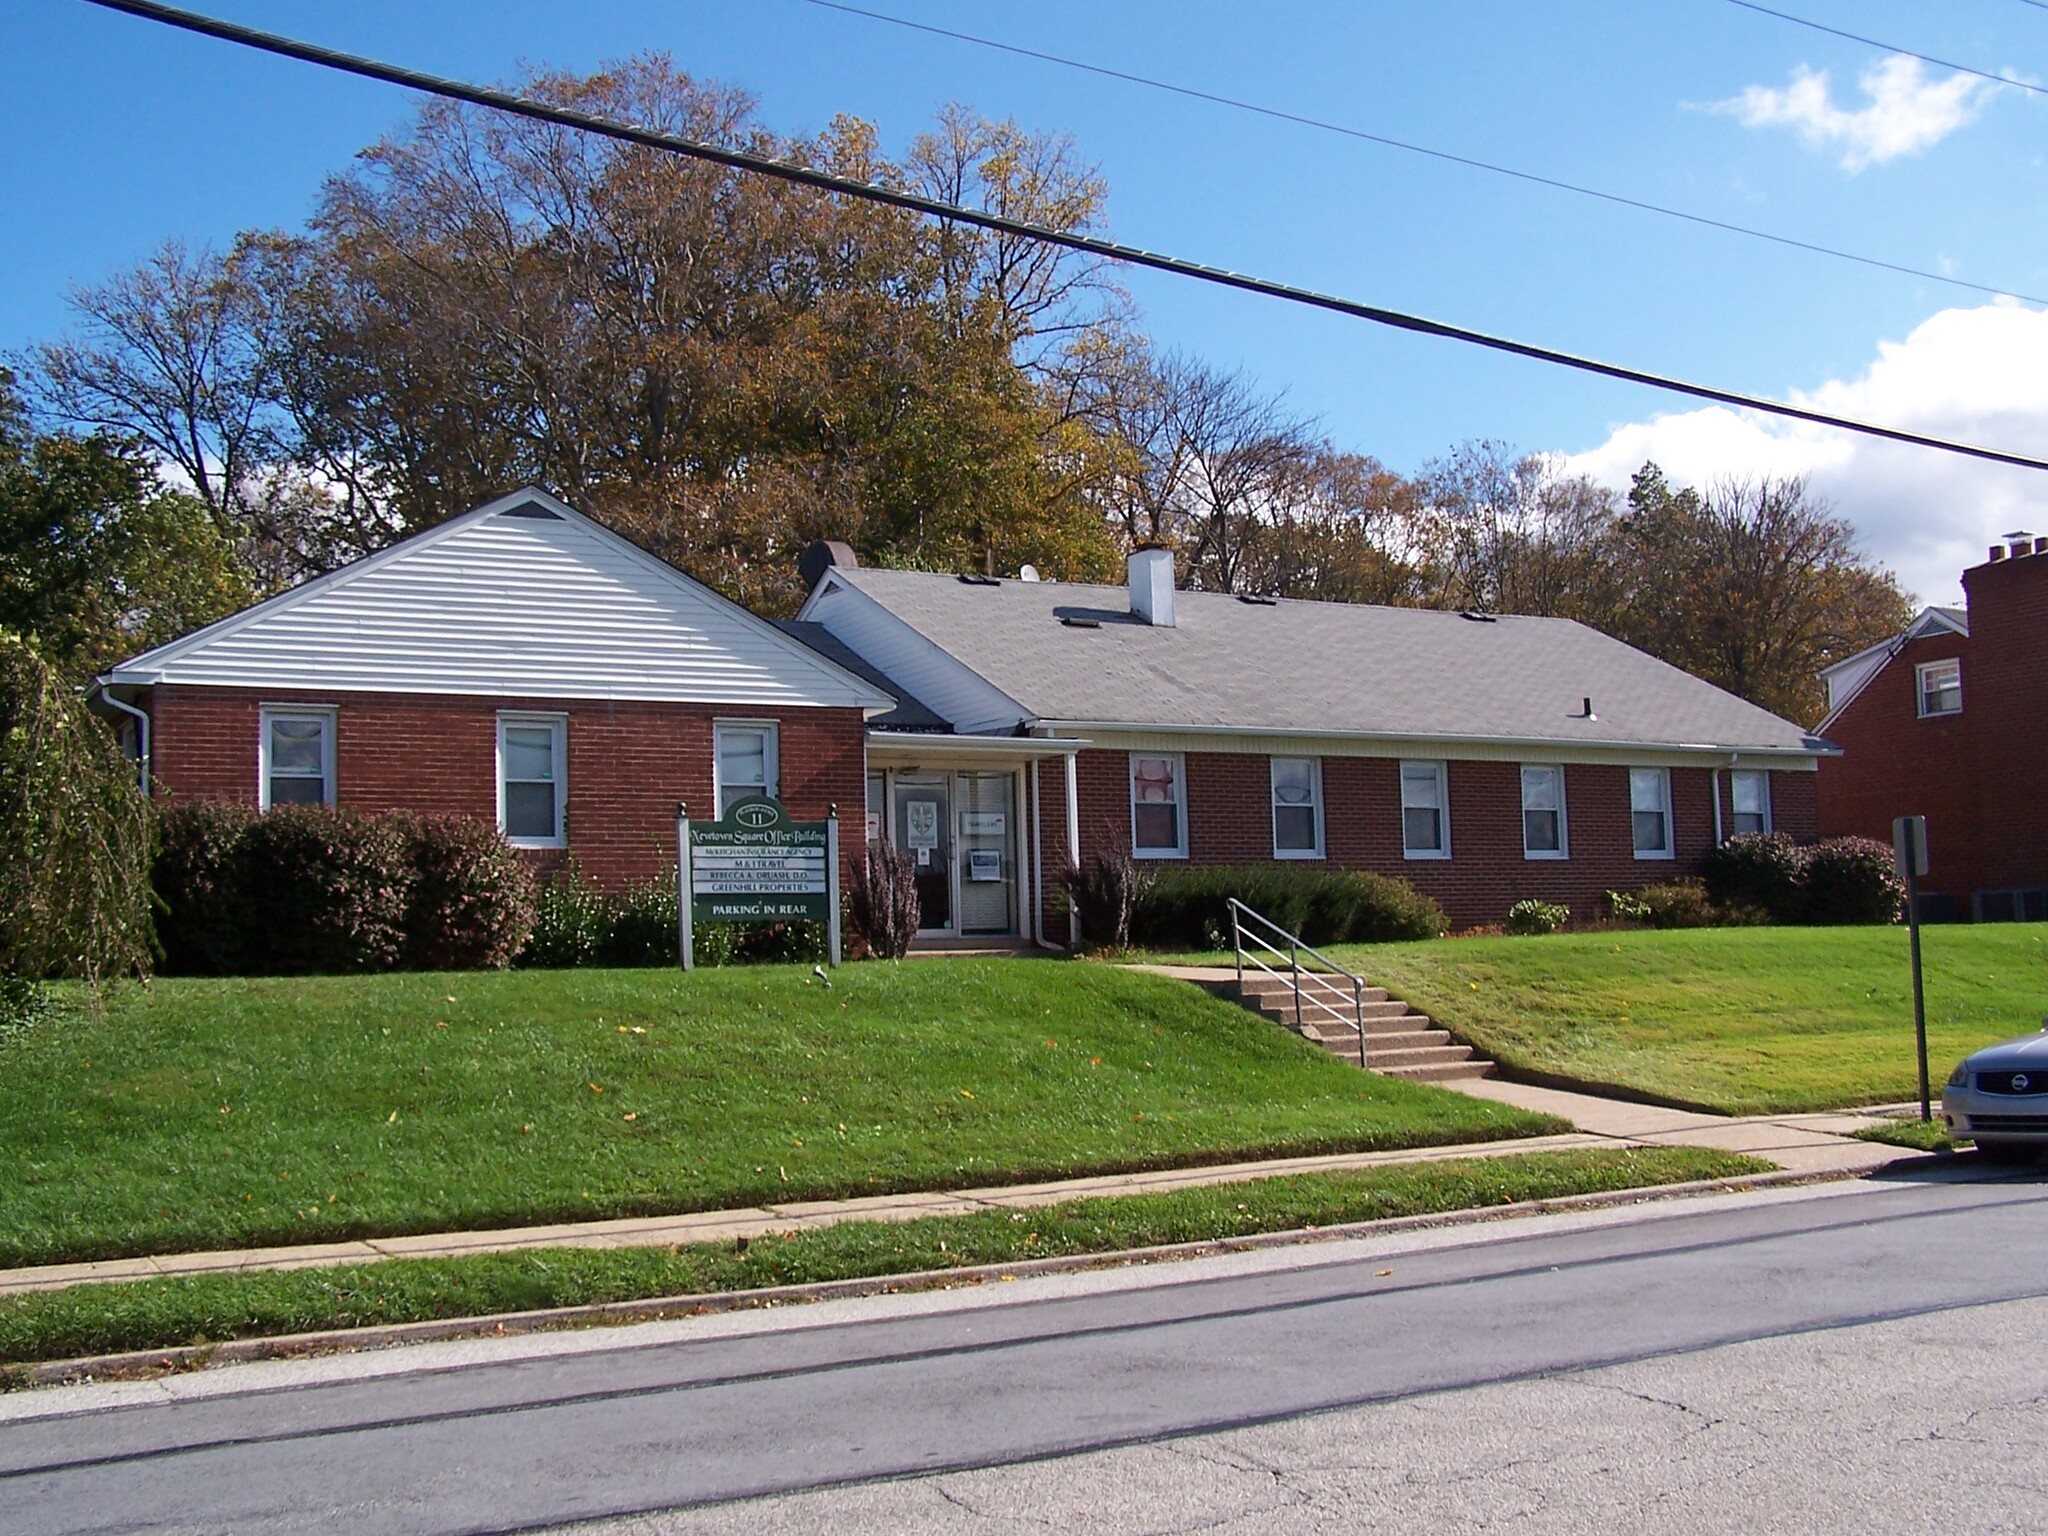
x=146, y=1363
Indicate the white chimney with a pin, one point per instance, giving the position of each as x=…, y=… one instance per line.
x=1151, y=572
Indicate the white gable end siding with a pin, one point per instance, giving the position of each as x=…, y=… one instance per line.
x=513, y=606
x=969, y=703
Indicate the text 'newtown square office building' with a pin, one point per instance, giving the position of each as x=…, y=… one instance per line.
x=1484, y=758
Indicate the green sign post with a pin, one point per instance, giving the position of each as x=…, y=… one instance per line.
x=757, y=866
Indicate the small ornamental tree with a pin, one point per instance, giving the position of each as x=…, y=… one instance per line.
x=74, y=833
x=883, y=902
x=1106, y=893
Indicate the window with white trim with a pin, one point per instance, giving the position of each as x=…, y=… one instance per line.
x=1649, y=806
x=744, y=752
x=1159, y=821
x=297, y=753
x=1941, y=688
x=1749, y=793
x=1297, y=807
x=1425, y=811
x=1543, y=829
x=533, y=780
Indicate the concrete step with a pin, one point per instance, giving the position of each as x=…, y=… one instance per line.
x=1398, y=1041
x=1442, y=1072
x=1258, y=985
x=1315, y=1018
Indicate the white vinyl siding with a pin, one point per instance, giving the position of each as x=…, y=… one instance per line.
x=1940, y=688
x=744, y=753
x=1297, y=807
x=295, y=758
x=1543, y=830
x=533, y=780
x=1649, y=805
x=518, y=606
x=1159, y=805
x=1749, y=794
x=1425, y=811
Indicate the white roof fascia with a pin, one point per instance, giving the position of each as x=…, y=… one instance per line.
x=1008, y=712
x=939, y=744
x=1816, y=749
x=147, y=669
x=1930, y=621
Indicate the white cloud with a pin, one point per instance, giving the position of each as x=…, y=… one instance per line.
x=1975, y=375
x=1907, y=112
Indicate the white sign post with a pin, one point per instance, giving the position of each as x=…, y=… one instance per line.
x=685, y=937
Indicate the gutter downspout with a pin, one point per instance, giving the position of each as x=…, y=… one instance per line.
x=141, y=718
x=1038, y=864
x=1073, y=846
x=1715, y=779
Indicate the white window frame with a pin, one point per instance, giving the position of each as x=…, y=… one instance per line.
x=1441, y=770
x=771, y=760
x=1563, y=850
x=1180, y=801
x=558, y=725
x=1762, y=779
x=1670, y=848
x=325, y=714
x=1920, y=676
x=1315, y=806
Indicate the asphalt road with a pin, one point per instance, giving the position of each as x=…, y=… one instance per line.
x=1473, y=1373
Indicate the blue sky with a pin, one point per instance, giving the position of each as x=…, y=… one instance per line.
x=126, y=134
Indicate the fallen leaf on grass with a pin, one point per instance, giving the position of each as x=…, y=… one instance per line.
x=635, y=1115
x=394, y=1118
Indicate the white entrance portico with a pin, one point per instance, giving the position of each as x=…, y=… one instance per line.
x=968, y=812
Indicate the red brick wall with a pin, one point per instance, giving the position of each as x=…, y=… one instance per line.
x=629, y=762
x=1230, y=822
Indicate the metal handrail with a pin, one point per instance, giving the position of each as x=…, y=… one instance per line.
x=1294, y=972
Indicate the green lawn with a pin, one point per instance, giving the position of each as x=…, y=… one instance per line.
x=199, y=1309
x=1745, y=1020
x=204, y=1113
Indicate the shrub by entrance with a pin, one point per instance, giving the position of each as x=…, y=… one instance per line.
x=1186, y=908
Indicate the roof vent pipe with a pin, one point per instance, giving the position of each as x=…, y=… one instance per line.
x=1151, y=573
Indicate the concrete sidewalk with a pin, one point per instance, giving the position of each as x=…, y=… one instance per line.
x=1814, y=1144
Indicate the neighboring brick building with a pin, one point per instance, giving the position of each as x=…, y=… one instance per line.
x=1484, y=758
x=519, y=664
x=1949, y=720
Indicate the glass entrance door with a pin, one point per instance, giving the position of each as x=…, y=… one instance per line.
x=988, y=866
x=922, y=818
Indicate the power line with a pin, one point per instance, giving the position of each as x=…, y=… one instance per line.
x=1871, y=42
x=1408, y=147
x=846, y=186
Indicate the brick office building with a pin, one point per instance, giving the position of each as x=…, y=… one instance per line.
x=519, y=664
x=1949, y=720
x=1484, y=758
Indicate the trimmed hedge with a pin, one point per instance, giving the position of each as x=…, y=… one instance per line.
x=1843, y=880
x=1764, y=870
x=1185, y=906
x=304, y=889
x=1851, y=880
x=473, y=896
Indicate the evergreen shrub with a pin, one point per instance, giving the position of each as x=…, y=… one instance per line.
x=1186, y=906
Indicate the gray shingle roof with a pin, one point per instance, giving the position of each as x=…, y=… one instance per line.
x=1312, y=667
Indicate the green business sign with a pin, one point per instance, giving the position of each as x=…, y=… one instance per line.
x=759, y=866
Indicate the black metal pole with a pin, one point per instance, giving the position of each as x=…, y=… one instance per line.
x=1919, y=997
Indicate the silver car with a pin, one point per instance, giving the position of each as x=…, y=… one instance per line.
x=1998, y=1097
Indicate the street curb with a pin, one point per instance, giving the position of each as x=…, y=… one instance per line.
x=142, y=1364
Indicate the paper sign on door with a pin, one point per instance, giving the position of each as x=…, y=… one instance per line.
x=921, y=824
